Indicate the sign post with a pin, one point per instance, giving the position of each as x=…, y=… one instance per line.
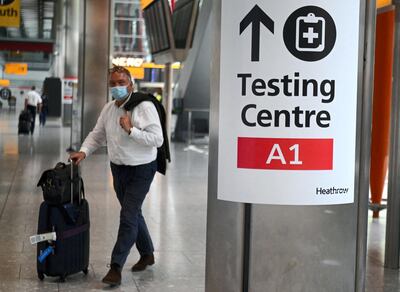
x=289, y=152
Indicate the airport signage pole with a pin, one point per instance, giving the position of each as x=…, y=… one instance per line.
x=289, y=144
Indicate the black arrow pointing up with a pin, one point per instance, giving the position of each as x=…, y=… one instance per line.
x=255, y=17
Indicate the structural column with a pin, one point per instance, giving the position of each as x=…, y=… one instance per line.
x=94, y=61
x=392, y=250
x=73, y=21
x=59, y=49
x=225, y=220
x=168, y=80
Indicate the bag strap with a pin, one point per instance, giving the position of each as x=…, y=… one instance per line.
x=81, y=185
x=71, y=167
x=73, y=232
x=82, y=190
x=60, y=165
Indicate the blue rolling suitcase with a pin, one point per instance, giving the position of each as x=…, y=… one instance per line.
x=69, y=252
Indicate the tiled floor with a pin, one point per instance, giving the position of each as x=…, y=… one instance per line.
x=175, y=211
x=378, y=278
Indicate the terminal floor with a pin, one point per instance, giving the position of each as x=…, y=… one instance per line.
x=175, y=210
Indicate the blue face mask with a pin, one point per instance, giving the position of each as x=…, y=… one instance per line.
x=119, y=92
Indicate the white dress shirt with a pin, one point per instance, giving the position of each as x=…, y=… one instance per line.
x=140, y=147
x=33, y=98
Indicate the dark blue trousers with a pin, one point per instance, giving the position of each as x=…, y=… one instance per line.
x=131, y=184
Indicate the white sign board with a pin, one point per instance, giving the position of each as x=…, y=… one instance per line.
x=68, y=90
x=288, y=100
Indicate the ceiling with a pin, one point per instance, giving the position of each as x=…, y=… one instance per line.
x=26, y=43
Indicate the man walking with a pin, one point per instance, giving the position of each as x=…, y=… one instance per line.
x=132, y=140
x=32, y=102
x=44, y=108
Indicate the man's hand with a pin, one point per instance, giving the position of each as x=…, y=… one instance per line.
x=77, y=157
x=125, y=122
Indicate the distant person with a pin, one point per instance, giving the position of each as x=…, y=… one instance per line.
x=44, y=109
x=32, y=104
x=21, y=94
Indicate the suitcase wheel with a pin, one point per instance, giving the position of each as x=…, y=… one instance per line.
x=41, y=276
x=62, y=278
x=85, y=271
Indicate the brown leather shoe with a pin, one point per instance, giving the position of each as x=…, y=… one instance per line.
x=113, y=276
x=146, y=260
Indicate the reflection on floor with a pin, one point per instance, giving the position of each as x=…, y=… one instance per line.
x=175, y=211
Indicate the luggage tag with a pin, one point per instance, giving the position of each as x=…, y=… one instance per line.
x=51, y=236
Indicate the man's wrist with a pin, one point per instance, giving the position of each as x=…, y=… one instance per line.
x=85, y=151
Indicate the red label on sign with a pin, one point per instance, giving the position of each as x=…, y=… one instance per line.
x=285, y=154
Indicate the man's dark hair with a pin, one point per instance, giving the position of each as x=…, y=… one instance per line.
x=120, y=69
x=33, y=87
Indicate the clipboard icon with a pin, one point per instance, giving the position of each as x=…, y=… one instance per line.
x=310, y=33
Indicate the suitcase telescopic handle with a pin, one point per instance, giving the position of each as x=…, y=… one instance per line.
x=72, y=184
x=80, y=189
x=72, y=181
